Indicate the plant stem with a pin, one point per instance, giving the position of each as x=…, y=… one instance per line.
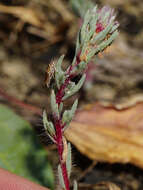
x=98, y=32
x=60, y=147
x=58, y=122
x=60, y=92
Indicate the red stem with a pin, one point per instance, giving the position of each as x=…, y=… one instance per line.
x=58, y=123
x=60, y=147
x=60, y=93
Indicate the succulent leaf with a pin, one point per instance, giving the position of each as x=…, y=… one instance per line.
x=76, y=87
x=48, y=125
x=69, y=160
x=59, y=73
x=61, y=180
x=75, y=187
x=54, y=105
x=69, y=114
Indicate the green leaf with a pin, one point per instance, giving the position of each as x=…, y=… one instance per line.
x=59, y=64
x=75, y=187
x=81, y=66
x=59, y=73
x=92, y=25
x=61, y=107
x=48, y=125
x=100, y=37
x=20, y=150
x=71, y=84
x=84, y=27
x=69, y=114
x=69, y=160
x=61, y=179
x=75, y=88
x=54, y=105
x=114, y=28
x=77, y=47
x=108, y=42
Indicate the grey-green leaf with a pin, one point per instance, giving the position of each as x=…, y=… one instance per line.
x=61, y=107
x=74, y=107
x=92, y=25
x=59, y=63
x=59, y=73
x=83, y=31
x=76, y=87
x=69, y=160
x=75, y=186
x=106, y=43
x=61, y=180
x=48, y=125
x=81, y=66
x=54, y=105
x=69, y=114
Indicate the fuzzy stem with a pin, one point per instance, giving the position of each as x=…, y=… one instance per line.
x=60, y=92
x=60, y=147
x=58, y=123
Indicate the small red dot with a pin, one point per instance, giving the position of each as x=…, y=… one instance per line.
x=99, y=27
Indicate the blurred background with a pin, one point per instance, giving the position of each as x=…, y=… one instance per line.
x=32, y=33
